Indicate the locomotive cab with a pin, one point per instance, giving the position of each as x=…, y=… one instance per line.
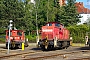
x=17, y=37
x=54, y=35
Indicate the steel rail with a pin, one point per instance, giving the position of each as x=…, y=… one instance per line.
x=42, y=57
x=86, y=58
x=11, y=55
x=3, y=51
x=54, y=55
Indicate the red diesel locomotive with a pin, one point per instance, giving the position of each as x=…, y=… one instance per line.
x=17, y=37
x=53, y=35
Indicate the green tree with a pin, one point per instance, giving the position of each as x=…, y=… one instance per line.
x=57, y=10
x=78, y=32
x=2, y=14
x=23, y=13
x=47, y=11
x=69, y=15
x=11, y=10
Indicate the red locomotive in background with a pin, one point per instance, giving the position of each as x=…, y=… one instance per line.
x=17, y=37
x=53, y=34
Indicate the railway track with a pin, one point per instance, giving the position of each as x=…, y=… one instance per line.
x=3, y=51
x=25, y=54
x=54, y=55
x=37, y=55
x=87, y=58
x=13, y=55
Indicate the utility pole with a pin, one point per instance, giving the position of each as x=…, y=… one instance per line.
x=10, y=25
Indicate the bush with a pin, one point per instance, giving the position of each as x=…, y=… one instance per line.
x=2, y=40
x=78, y=40
x=31, y=38
x=78, y=32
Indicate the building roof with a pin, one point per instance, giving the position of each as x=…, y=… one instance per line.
x=81, y=9
x=62, y=2
x=79, y=5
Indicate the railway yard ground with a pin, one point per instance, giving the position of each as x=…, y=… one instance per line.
x=74, y=52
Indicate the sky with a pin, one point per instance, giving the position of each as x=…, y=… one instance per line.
x=86, y=4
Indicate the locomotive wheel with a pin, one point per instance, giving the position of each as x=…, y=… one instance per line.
x=43, y=47
x=20, y=46
x=50, y=47
x=6, y=46
x=89, y=45
x=64, y=44
x=26, y=43
x=68, y=43
x=13, y=45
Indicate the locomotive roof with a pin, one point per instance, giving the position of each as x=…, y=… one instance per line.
x=53, y=22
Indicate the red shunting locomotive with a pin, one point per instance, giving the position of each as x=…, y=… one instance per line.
x=17, y=37
x=53, y=35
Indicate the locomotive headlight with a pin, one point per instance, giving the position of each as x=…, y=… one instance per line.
x=11, y=37
x=46, y=41
x=47, y=30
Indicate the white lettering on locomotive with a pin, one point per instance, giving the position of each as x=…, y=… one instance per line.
x=47, y=30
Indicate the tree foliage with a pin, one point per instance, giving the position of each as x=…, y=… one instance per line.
x=69, y=15
x=11, y=10
x=27, y=16
x=78, y=32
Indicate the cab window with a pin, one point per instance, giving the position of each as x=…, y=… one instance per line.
x=49, y=24
x=19, y=33
x=58, y=25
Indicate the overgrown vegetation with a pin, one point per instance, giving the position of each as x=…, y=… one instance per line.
x=31, y=38
x=25, y=15
x=78, y=33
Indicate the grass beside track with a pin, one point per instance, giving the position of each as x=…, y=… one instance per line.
x=78, y=44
